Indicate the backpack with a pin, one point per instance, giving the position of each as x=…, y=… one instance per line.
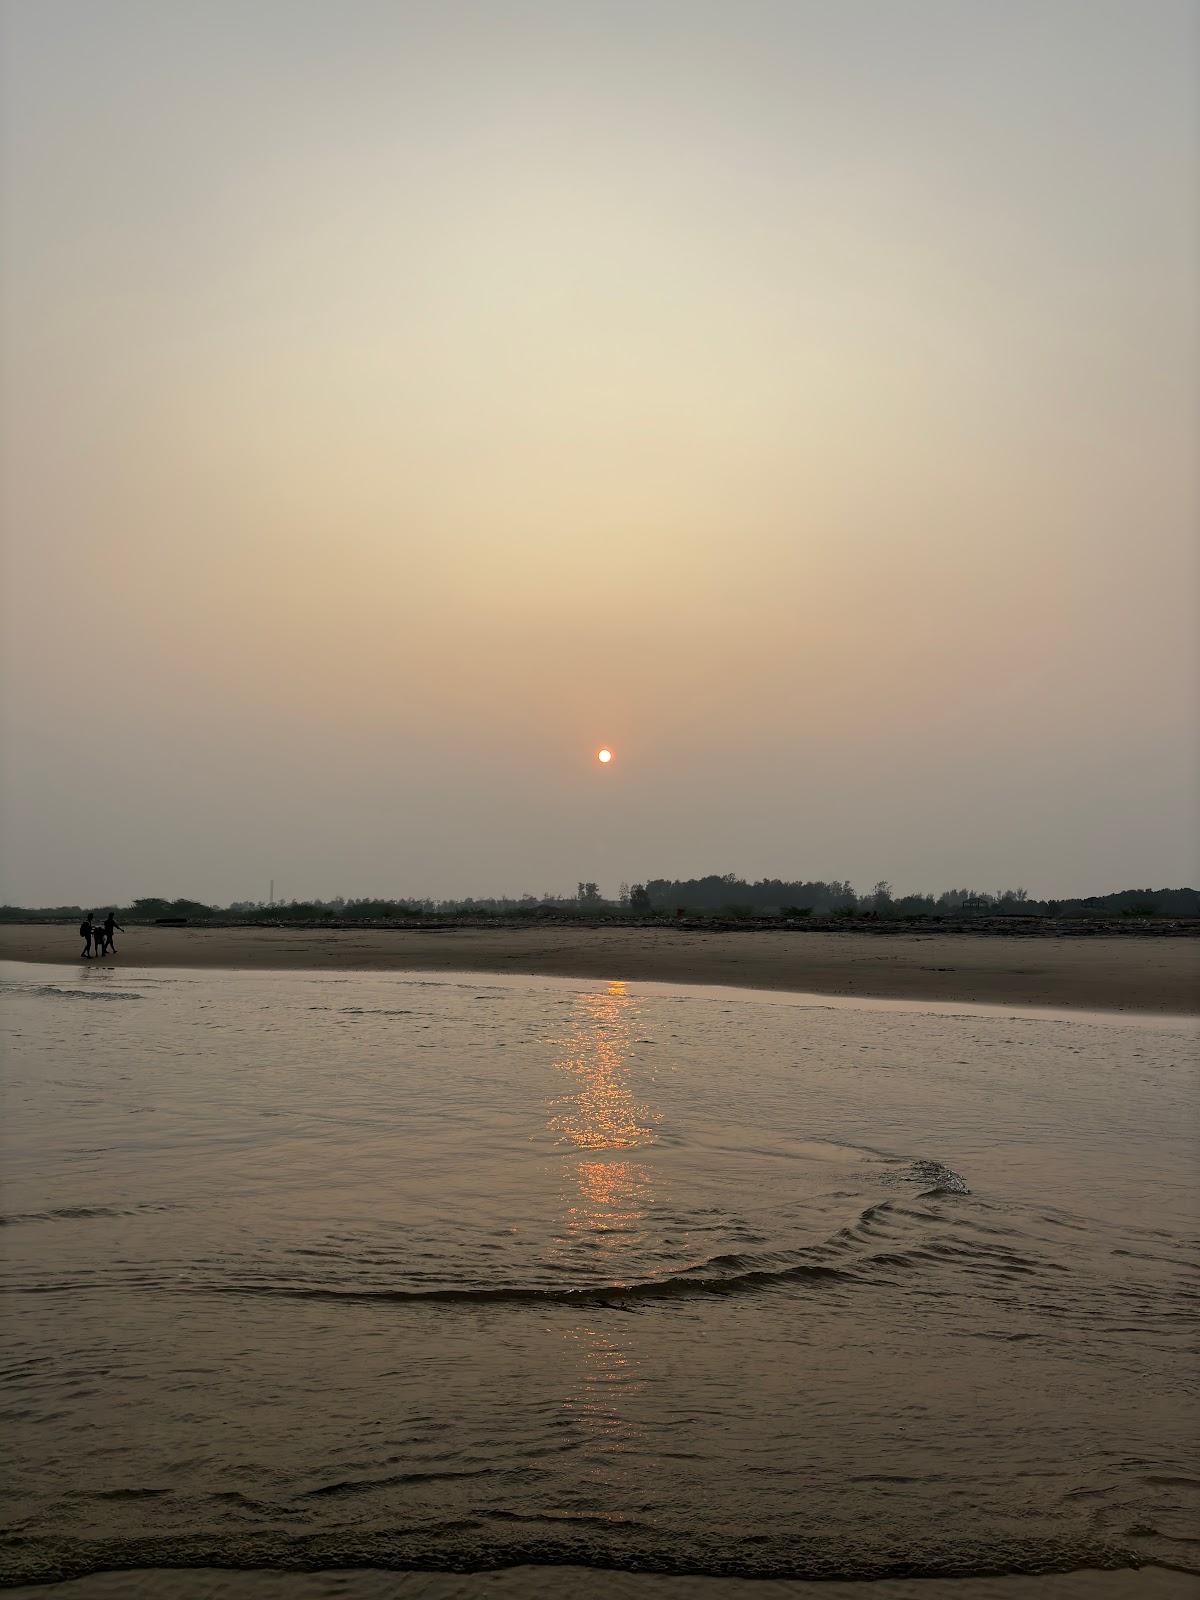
x=84, y=929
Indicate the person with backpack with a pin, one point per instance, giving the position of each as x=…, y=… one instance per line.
x=85, y=933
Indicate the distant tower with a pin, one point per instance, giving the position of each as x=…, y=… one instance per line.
x=271, y=899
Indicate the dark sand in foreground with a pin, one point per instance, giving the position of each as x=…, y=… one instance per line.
x=1097, y=973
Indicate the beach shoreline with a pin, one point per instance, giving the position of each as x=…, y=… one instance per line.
x=1100, y=973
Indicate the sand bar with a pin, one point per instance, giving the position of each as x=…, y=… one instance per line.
x=1100, y=973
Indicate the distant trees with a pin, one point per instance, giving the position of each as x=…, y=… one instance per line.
x=149, y=909
x=768, y=895
x=727, y=894
x=723, y=895
x=41, y=913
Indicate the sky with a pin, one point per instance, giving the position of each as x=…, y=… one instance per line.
x=402, y=401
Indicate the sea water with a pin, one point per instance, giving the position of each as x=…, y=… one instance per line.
x=450, y=1272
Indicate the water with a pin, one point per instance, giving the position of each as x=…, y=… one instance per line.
x=443, y=1273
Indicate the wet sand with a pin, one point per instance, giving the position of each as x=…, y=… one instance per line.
x=1096, y=973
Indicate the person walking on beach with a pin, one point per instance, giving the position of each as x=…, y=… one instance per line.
x=110, y=922
x=85, y=933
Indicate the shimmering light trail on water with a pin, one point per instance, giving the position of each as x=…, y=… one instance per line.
x=316, y=1270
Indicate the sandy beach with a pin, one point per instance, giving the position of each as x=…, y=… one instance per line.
x=1109, y=973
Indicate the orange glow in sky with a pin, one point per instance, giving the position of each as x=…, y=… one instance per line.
x=577, y=326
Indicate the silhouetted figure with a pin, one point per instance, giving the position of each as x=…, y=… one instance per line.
x=85, y=933
x=110, y=922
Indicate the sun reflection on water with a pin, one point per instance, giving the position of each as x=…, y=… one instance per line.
x=602, y=1403
x=600, y=1115
x=607, y=1132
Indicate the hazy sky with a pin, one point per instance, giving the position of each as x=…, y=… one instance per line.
x=403, y=400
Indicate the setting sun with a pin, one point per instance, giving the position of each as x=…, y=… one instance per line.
x=604, y=756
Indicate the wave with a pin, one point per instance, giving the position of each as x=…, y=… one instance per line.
x=943, y=1180
x=56, y=991
x=879, y=1240
x=489, y=1541
x=675, y=1287
x=81, y=1213
x=368, y=1011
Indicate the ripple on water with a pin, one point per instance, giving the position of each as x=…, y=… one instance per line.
x=309, y=1271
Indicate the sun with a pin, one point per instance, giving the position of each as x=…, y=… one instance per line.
x=604, y=756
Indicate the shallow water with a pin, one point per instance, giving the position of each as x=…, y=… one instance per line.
x=326, y=1270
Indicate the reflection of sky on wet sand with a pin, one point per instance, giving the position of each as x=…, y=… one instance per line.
x=606, y=1200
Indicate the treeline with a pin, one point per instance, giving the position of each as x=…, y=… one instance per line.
x=339, y=909
x=718, y=895
x=806, y=898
